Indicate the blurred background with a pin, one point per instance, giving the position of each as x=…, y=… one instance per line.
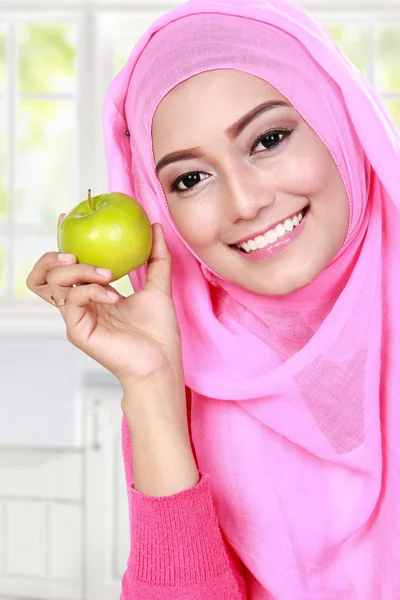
x=63, y=508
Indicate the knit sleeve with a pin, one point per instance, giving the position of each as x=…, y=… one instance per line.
x=177, y=550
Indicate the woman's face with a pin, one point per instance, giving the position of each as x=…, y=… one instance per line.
x=271, y=180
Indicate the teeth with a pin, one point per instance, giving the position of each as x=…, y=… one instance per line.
x=280, y=230
x=289, y=225
x=260, y=241
x=272, y=235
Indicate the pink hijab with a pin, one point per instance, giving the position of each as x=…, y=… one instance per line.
x=296, y=399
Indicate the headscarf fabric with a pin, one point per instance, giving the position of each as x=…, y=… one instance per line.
x=295, y=399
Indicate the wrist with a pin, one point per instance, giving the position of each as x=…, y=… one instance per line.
x=156, y=402
x=133, y=386
x=162, y=457
x=163, y=463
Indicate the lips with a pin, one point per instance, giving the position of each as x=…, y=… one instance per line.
x=273, y=249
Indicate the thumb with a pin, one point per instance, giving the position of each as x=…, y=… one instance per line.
x=159, y=265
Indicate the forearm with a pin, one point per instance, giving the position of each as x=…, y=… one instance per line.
x=162, y=457
x=177, y=550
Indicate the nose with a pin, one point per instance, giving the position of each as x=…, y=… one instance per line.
x=245, y=197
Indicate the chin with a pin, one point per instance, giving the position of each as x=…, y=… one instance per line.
x=284, y=285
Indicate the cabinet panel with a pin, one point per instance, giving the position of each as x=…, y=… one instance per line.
x=25, y=538
x=65, y=543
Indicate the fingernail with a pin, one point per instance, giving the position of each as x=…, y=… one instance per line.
x=112, y=295
x=66, y=257
x=104, y=272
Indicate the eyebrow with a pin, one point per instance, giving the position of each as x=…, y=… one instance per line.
x=232, y=132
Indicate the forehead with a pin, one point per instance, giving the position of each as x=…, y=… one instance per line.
x=218, y=96
x=212, y=83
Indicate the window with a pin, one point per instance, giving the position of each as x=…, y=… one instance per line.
x=55, y=68
x=39, y=146
x=373, y=45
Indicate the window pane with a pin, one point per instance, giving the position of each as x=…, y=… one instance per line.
x=47, y=56
x=352, y=39
x=46, y=178
x=123, y=31
x=389, y=58
x=27, y=251
x=394, y=110
x=3, y=161
x=2, y=57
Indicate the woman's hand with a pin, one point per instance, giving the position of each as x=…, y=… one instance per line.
x=135, y=337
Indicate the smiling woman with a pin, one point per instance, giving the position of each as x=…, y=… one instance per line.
x=248, y=127
x=259, y=353
x=249, y=178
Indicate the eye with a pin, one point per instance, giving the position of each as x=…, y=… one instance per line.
x=272, y=139
x=189, y=179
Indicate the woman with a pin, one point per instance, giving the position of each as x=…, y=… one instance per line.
x=273, y=169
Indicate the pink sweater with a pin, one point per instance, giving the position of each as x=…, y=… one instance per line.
x=177, y=548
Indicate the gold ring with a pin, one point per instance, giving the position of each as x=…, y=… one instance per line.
x=55, y=302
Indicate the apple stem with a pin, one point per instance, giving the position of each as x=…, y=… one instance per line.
x=90, y=200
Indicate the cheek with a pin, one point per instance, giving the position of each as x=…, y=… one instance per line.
x=196, y=221
x=309, y=171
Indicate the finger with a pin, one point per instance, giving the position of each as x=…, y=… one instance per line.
x=60, y=218
x=79, y=299
x=37, y=278
x=62, y=279
x=159, y=265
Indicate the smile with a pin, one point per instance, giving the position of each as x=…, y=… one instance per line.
x=275, y=240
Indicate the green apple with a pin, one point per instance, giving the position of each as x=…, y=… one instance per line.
x=111, y=231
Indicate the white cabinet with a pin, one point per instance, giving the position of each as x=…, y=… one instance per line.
x=64, y=525
x=41, y=524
